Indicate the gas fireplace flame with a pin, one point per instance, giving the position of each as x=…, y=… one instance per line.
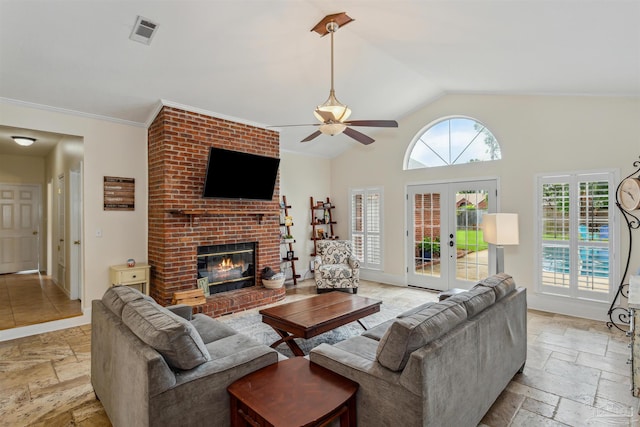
x=227, y=264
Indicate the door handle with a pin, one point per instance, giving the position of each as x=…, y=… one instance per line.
x=35, y=233
x=76, y=242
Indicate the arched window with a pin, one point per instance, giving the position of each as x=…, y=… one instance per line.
x=452, y=141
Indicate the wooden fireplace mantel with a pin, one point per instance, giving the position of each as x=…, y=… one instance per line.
x=201, y=212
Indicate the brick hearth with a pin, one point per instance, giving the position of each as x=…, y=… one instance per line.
x=179, y=144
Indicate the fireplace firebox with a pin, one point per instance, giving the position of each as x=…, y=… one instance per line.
x=228, y=266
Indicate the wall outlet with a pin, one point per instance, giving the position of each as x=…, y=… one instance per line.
x=311, y=265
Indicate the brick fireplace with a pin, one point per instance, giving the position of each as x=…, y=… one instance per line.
x=180, y=220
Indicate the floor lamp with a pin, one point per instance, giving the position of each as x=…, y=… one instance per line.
x=500, y=229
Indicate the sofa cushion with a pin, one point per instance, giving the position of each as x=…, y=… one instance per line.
x=409, y=333
x=335, y=271
x=211, y=329
x=334, y=251
x=475, y=300
x=415, y=309
x=378, y=331
x=116, y=297
x=175, y=338
x=501, y=283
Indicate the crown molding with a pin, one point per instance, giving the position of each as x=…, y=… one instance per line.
x=167, y=103
x=18, y=103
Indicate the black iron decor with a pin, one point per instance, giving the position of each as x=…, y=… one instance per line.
x=619, y=314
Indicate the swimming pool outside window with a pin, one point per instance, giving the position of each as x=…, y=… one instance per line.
x=573, y=234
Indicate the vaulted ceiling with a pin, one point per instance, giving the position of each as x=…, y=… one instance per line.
x=258, y=60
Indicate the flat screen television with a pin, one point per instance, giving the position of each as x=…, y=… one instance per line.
x=236, y=175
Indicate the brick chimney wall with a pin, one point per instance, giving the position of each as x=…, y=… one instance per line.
x=179, y=143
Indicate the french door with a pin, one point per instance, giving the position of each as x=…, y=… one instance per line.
x=445, y=247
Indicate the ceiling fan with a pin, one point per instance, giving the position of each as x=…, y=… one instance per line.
x=332, y=114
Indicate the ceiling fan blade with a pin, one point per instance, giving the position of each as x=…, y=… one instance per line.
x=312, y=136
x=373, y=123
x=358, y=136
x=290, y=126
x=326, y=115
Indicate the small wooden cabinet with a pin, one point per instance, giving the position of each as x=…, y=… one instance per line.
x=123, y=275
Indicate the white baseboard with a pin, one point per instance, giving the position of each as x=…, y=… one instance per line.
x=593, y=310
x=381, y=277
x=25, y=331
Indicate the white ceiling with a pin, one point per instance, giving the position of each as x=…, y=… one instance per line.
x=258, y=60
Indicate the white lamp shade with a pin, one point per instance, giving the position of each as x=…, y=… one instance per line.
x=500, y=228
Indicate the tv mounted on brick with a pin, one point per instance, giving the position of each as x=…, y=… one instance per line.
x=236, y=175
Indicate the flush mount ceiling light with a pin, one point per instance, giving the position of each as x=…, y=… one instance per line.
x=25, y=141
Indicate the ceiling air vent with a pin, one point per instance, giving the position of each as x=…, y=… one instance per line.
x=144, y=30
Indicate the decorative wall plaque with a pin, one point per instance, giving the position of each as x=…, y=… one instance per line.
x=119, y=193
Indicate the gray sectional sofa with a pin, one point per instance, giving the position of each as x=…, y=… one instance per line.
x=153, y=367
x=439, y=364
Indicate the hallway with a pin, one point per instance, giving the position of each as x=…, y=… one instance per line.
x=30, y=298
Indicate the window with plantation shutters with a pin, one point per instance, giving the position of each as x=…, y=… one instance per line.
x=366, y=226
x=575, y=236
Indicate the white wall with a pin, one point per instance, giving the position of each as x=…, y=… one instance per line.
x=22, y=170
x=67, y=153
x=110, y=149
x=536, y=134
x=302, y=177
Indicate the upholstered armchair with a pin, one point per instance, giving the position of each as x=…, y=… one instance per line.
x=335, y=266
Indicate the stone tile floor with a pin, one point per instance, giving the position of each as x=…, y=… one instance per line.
x=26, y=299
x=576, y=373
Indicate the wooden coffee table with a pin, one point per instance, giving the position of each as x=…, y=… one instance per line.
x=292, y=393
x=316, y=315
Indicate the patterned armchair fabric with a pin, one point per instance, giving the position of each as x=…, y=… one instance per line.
x=335, y=266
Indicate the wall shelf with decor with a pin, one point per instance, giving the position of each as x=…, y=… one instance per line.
x=286, y=222
x=321, y=222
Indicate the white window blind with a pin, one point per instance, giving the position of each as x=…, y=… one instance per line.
x=366, y=226
x=574, y=234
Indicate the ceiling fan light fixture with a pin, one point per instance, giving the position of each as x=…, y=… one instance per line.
x=339, y=111
x=25, y=141
x=332, y=128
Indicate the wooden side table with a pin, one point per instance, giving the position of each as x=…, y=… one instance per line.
x=293, y=393
x=123, y=275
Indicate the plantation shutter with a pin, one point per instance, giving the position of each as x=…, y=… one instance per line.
x=574, y=235
x=366, y=226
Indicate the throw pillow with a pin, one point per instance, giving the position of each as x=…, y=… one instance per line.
x=116, y=297
x=501, y=283
x=175, y=338
x=410, y=333
x=475, y=300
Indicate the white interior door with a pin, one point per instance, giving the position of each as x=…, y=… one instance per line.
x=61, y=233
x=19, y=227
x=445, y=245
x=75, y=261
